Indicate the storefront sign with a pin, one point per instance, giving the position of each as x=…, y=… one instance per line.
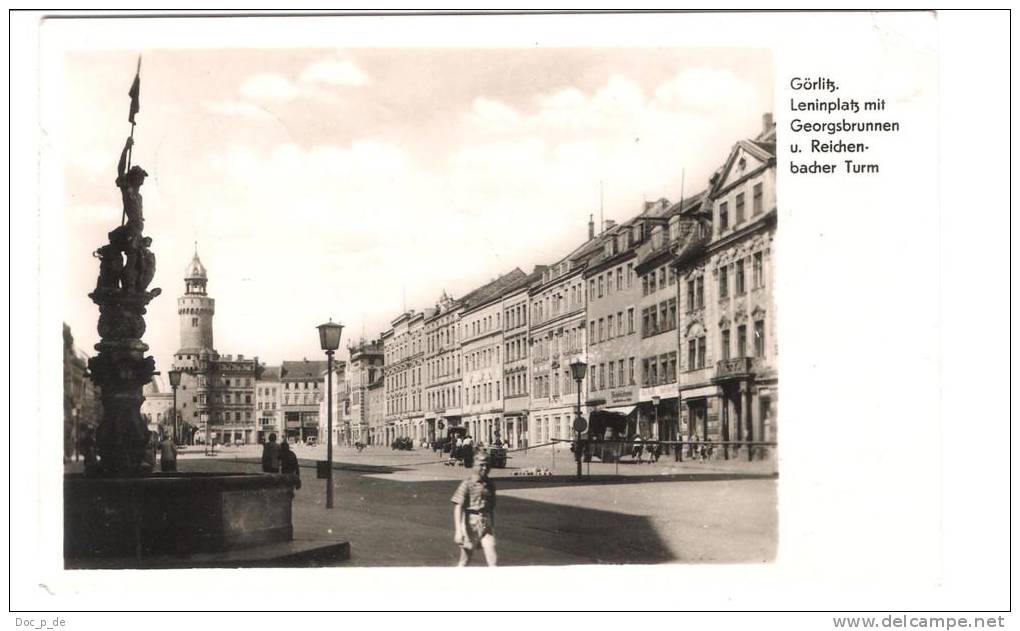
x=621, y=396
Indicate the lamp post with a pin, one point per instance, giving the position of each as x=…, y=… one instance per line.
x=577, y=370
x=175, y=380
x=329, y=340
x=655, y=416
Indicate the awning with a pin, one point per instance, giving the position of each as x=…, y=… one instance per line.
x=622, y=409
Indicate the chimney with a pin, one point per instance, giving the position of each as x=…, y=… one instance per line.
x=767, y=123
x=607, y=224
x=591, y=227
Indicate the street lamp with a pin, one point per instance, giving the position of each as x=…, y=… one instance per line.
x=577, y=370
x=655, y=417
x=175, y=380
x=329, y=340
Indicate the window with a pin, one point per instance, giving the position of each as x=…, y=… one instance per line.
x=759, y=338
x=646, y=324
x=740, y=209
x=194, y=322
x=630, y=371
x=692, y=354
x=699, y=292
x=690, y=295
x=662, y=277
x=724, y=217
x=602, y=331
x=701, y=351
x=725, y=336
x=742, y=341
x=671, y=367
x=663, y=368
x=610, y=327
x=651, y=282
x=671, y=314
x=630, y=320
x=600, y=285
x=620, y=379
x=644, y=285
x=646, y=373
x=630, y=274
x=757, y=274
x=740, y=277
x=724, y=281
x=602, y=376
x=671, y=275
x=591, y=332
x=756, y=200
x=653, y=316
x=619, y=279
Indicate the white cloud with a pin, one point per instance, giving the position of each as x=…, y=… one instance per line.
x=338, y=72
x=244, y=109
x=269, y=87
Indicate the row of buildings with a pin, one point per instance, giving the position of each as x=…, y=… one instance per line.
x=672, y=310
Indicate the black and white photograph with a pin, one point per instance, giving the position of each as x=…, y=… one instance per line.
x=380, y=296
x=544, y=272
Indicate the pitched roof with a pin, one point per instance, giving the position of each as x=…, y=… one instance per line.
x=270, y=373
x=494, y=289
x=303, y=370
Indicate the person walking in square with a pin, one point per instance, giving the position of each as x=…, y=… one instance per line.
x=271, y=455
x=474, y=505
x=167, y=454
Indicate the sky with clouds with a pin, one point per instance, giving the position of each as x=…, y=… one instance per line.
x=347, y=184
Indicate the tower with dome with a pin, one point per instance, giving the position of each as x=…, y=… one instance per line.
x=217, y=392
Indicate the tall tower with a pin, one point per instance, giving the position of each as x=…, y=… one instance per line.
x=195, y=309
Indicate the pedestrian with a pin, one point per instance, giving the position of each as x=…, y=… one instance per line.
x=474, y=505
x=638, y=448
x=271, y=455
x=167, y=455
x=469, y=452
x=289, y=464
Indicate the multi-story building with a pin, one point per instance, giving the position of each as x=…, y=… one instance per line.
x=557, y=303
x=516, y=361
x=341, y=404
x=658, y=351
x=392, y=388
x=614, y=294
x=269, y=403
x=82, y=406
x=366, y=368
x=402, y=349
x=415, y=426
x=481, y=325
x=728, y=378
x=216, y=395
x=302, y=390
x=375, y=392
x=442, y=367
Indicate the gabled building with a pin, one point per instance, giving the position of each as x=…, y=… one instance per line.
x=728, y=379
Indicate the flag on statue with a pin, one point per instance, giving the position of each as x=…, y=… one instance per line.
x=133, y=92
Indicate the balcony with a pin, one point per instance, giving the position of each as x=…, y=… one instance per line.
x=735, y=367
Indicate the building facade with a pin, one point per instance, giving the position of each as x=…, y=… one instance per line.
x=302, y=391
x=366, y=368
x=516, y=364
x=443, y=380
x=729, y=380
x=269, y=403
x=613, y=330
x=557, y=305
x=341, y=404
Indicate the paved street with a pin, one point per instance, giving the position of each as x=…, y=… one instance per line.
x=394, y=508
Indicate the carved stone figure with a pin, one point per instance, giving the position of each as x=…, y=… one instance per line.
x=146, y=265
x=111, y=264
